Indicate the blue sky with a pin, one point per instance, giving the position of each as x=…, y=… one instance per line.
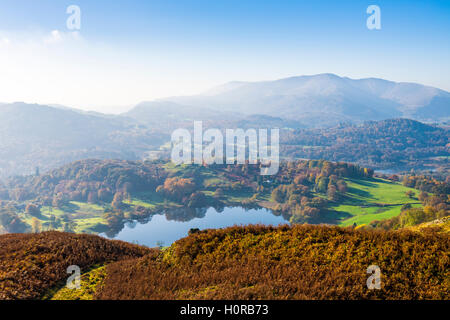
x=129, y=51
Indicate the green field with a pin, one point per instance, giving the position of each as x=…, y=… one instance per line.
x=369, y=200
x=86, y=217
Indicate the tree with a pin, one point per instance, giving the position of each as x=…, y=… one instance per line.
x=368, y=173
x=177, y=188
x=406, y=207
x=58, y=201
x=277, y=195
x=218, y=193
x=254, y=197
x=193, y=231
x=32, y=210
x=300, y=179
x=394, y=177
x=117, y=203
x=410, y=194
x=331, y=192
x=36, y=225
x=10, y=221
x=423, y=196
x=92, y=197
x=342, y=186
x=322, y=184
x=311, y=212
x=197, y=200
x=104, y=195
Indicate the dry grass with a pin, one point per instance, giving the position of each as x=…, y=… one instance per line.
x=301, y=262
x=30, y=264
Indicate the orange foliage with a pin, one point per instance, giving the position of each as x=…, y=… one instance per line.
x=30, y=264
x=300, y=262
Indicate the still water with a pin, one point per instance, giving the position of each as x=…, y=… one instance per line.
x=164, y=229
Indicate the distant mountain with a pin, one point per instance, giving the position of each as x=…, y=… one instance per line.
x=168, y=115
x=32, y=121
x=93, y=113
x=45, y=136
x=34, y=135
x=317, y=100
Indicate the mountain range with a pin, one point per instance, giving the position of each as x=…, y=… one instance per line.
x=48, y=136
x=318, y=100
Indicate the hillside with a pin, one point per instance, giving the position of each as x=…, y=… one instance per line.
x=302, y=262
x=388, y=144
x=439, y=225
x=31, y=264
x=170, y=116
x=47, y=137
x=44, y=137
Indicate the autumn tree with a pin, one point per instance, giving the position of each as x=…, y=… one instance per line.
x=92, y=197
x=410, y=194
x=36, y=225
x=277, y=195
x=177, y=188
x=32, y=209
x=332, y=192
x=218, y=193
x=197, y=200
x=117, y=202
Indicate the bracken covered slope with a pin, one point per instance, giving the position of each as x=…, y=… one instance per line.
x=30, y=264
x=254, y=262
x=301, y=262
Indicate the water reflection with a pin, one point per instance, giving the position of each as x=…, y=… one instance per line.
x=171, y=225
x=185, y=214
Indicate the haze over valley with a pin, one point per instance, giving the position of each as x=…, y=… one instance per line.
x=306, y=108
x=225, y=150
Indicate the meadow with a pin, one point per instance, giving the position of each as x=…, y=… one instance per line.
x=372, y=199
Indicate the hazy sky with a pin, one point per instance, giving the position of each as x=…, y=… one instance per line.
x=130, y=51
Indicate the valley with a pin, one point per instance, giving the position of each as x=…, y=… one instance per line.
x=224, y=159
x=322, y=116
x=353, y=188
x=106, y=196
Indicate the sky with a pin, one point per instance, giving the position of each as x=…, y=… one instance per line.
x=130, y=51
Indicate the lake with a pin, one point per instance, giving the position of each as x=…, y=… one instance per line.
x=164, y=229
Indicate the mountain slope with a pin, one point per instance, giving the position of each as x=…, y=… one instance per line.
x=34, y=135
x=383, y=144
x=300, y=262
x=30, y=121
x=30, y=264
x=253, y=262
x=47, y=137
x=325, y=98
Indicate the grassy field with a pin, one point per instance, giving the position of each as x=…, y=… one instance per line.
x=86, y=217
x=369, y=200
x=361, y=215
